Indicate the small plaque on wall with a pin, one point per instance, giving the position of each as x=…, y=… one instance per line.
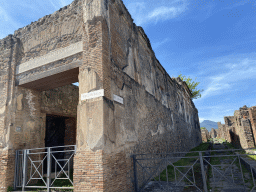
x=118, y=99
x=18, y=129
x=93, y=94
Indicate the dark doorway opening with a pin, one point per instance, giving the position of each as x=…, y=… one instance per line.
x=55, y=131
x=59, y=131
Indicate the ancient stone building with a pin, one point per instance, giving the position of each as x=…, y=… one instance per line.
x=126, y=102
x=213, y=133
x=205, y=135
x=240, y=128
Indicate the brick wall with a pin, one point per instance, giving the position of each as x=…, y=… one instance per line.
x=205, y=135
x=60, y=101
x=239, y=129
x=252, y=116
x=88, y=171
x=3, y=169
x=157, y=115
x=58, y=30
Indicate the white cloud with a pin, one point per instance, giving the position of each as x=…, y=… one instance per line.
x=234, y=71
x=214, y=113
x=6, y=18
x=164, y=13
x=201, y=119
x=145, y=12
x=160, y=43
x=215, y=89
x=56, y=6
x=64, y=3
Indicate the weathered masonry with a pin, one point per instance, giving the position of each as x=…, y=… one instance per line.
x=126, y=102
x=240, y=129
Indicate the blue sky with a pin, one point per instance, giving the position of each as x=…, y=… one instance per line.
x=211, y=40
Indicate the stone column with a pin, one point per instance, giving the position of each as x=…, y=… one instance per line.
x=94, y=90
x=8, y=48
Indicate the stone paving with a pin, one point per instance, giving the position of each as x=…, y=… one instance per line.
x=225, y=176
x=221, y=178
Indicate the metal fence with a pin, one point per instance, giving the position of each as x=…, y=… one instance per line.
x=43, y=167
x=213, y=170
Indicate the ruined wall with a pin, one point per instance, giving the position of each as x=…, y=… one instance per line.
x=213, y=133
x=63, y=101
x=239, y=129
x=252, y=116
x=156, y=115
x=243, y=128
x=21, y=122
x=205, y=135
x=62, y=28
x=145, y=86
x=208, y=135
x=6, y=49
x=60, y=101
x=8, y=57
x=58, y=30
x=224, y=130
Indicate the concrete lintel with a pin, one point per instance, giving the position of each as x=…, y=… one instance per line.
x=53, y=78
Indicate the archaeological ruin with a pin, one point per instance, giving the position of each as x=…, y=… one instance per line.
x=205, y=135
x=240, y=129
x=126, y=103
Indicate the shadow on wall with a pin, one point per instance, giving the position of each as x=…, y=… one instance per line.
x=235, y=140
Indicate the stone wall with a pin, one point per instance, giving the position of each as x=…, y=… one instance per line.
x=60, y=101
x=240, y=128
x=205, y=135
x=252, y=117
x=9, y=53
x=224, y=130
x=58, y=30
x=213, y=133
x=143, y=109
x=156, y=115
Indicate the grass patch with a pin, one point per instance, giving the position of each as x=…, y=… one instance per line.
x=9, y=189
x=171, y=171
x=57, y=182
x=253, y=157
x=229, y=145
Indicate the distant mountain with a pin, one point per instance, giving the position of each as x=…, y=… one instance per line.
x=209, y=125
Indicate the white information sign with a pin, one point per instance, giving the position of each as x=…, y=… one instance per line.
x=53, y=56
x=93, y=94
x=118, y=99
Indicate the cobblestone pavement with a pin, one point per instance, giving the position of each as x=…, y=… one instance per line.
x=225, y=174
x=160, y=186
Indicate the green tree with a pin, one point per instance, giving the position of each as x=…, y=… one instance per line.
x=192, y=85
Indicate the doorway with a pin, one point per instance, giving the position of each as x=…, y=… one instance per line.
x=55, y=130
x=60, y=131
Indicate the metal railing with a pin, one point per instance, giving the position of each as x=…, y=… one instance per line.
x=201, y=171
x=42, y=167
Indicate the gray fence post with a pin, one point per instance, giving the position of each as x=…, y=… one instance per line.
x=135, y=173
x=203, y=172
x=24, y=173
x=16, y=170
x=48, y=169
